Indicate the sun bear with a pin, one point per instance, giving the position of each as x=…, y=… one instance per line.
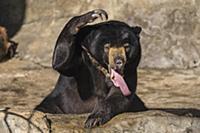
x=98, y=69
x=7, y=47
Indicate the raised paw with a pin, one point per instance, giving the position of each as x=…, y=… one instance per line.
x=91, y=17
x=97, y=119
x=98, y=13
x=78, y=22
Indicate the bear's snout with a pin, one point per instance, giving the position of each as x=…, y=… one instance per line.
x=117, y=59
x=119, y=64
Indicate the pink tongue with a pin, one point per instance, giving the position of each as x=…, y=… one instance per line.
x=118, y=81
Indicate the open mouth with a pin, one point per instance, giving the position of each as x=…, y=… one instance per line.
x=120, y=71
x=116, y=69
x=119, y=81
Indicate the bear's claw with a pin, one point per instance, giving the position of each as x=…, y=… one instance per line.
x=97, y=119
x=100, y=115
x=89, y=18
x=100, y=13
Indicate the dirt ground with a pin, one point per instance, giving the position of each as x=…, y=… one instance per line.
x=24, y=84
x=175, y=95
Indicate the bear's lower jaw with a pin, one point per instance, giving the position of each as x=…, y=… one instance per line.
x=118, y=70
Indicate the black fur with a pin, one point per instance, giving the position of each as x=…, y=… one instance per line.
x=81, y=87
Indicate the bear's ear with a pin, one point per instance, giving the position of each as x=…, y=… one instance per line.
x=137, y=30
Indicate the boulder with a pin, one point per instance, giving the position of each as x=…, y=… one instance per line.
x=146, y=122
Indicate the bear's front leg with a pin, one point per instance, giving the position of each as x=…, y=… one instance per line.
x=101, y=114
x=66, y=54
x=107, y=108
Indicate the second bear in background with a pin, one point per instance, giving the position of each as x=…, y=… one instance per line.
x=7, y=47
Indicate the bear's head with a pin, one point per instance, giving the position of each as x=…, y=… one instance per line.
x=115, y=45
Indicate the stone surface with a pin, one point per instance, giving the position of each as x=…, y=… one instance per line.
x=172, y=95
x=170, y=36
x=23, y=122
x=146, y=122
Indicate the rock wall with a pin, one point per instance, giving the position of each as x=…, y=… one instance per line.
x=170, y=36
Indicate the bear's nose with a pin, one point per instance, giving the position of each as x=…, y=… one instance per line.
x=119, y=62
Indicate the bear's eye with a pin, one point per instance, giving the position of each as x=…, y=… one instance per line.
x=106, y=48
x=127, y=47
